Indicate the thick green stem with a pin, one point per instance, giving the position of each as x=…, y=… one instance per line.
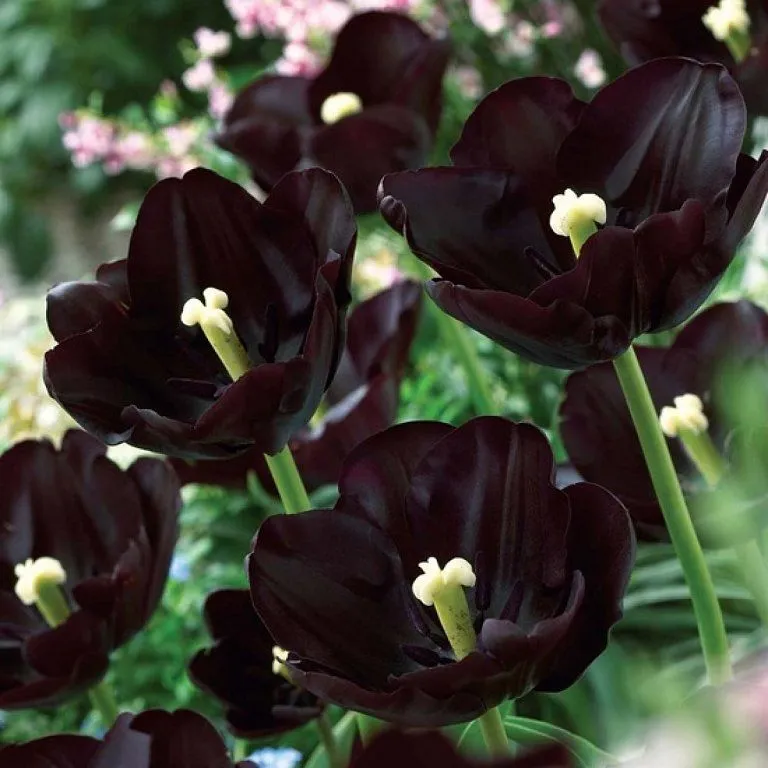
x=368, y=727
x=288, y=481
x=709, y=617
x=457, y=339
x=103, y=701
x=328, y=740
x=494, y=734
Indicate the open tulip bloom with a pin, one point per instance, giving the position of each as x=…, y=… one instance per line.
x=427, y=510
x=654, y=159
x=648, y=30
x=597, y=427
x=129, y=368
x=100, y=538
x=373, y=110
x=361, y=401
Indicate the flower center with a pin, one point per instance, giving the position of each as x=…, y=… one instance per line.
x=576, y=216
x=340, y=105
x=279, y=657
x=218, y=329
x=443, y=589
x=687, y=421
x=729, y=22
x=38, y=584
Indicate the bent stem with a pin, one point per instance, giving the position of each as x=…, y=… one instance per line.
x=494, y=734
x=328, y=740
x=457, y=339
x=288, y=481
x=709, y=617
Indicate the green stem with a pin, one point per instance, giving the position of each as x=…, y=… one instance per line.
x=328, y=740
x=103, y=701
x=288, y=481
x=239, y=750
x=709, y=617
x=457, y=339
x=494, y=734
x=368, y=727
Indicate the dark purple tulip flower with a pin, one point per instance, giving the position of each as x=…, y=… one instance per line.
x=361, y=400
x=646, y=30
x=427, y=750
x=373, y=110
x=113, y=533
x=151, y=739
x=597, y=428
x=239, y=670
x=659, y=146
x=549, y=569
x=127, y=368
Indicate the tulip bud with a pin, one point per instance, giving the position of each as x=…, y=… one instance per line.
x=340, y=105
x=442, y=587
x=575, y=216
x=729, y=22
x=218, y=328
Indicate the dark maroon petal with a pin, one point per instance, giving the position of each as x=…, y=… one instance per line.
x=362, y=148
x=429, y=749
x=475, y=226
x=265, y=126
x=181, y=738
x=489, y=481
x=213, y=233
x=663, y=133
x=62, y=751
x=561, y=335
x=601, y=545
x=519, y=127
x=752, y=188
x=313, y=607
x=599, y=435
x=74, y=308
x=644, y=31
x=373, y=54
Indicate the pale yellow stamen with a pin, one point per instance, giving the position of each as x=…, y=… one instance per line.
x=340, y=105
x=34, y=575
x=576, y=216
x=687, y=414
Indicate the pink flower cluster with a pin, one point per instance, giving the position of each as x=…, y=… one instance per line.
x=92, y=139
x=300, y=23
x=202, y=75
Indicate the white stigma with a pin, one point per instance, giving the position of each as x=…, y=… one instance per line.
x=572, y=210
x=687, y=414
x=211, y=313
x=727, y=18
x=279, y=657
x=435, y=580
x=340, y=105
x=34, y=574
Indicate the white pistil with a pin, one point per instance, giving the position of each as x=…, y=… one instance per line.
x=729, y=22
x=340, y=105
x=576, y=216
x=218, y=328
x=443, y=589
x=34, y=576
x=687, y=414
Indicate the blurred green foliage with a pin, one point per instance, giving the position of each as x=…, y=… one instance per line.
x=54, y=55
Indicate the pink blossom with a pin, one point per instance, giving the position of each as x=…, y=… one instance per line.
x=211, y=44
x=298, y=59
x=488, y=15
x=89, y=139
x=220, y=99
x=175, y=166
x=200, y=77
x=552, y=28
x=589, y=69
x=521, y=39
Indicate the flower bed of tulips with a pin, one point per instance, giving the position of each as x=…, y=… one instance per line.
x=368, y=452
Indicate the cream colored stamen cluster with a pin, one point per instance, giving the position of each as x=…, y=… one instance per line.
x=36, y=574
x=340, y=105
x=727, y=18
x=435, y=580
x=573, y=211
x=686, y=415
x=279, y=657
x=211, y=313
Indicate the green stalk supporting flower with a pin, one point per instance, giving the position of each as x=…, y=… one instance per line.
x=220, y=332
